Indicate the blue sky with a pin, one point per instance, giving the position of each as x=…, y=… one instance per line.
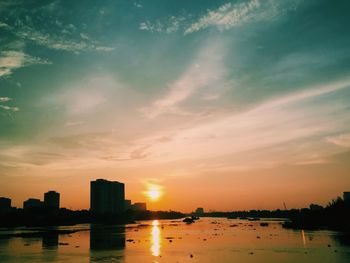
x=169, y=92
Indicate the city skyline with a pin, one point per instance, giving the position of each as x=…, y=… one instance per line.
x=109, y=197
x=226, y=105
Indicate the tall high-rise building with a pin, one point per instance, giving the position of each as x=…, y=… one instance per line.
x=107, y=196
x=52, y=199
x=346, y=197
x=5, y=204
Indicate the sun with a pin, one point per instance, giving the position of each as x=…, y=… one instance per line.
x=153, y=194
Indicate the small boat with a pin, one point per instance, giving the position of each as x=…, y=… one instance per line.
x=188, y=220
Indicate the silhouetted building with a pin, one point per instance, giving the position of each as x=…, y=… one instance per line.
x=52, y=199
x=346, y=197
x=139, y=207
x=32, y=203
x=106, y=196
x=199, y=211
x=315, y=207
x=127, y=205
x=5, y=204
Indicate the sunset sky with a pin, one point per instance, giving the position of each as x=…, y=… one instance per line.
x=225, y=105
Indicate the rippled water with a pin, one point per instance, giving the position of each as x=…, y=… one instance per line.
x=208, y=240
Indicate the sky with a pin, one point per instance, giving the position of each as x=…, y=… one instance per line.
x=226, y=105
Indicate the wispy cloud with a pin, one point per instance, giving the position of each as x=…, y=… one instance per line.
x=226, y=16
x=207, y=69
x=59, y=42
x=168, y=25
x=12, y=60
x=62, y=40
x=5, y=99
x=341, y=140
x=73, y=123
x=6, y=107
x=9, y=108
x=263, y=129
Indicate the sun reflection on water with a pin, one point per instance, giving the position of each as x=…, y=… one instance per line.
x=155, y=238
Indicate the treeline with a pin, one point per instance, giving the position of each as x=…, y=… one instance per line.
x=56, y=217
x=253, y=214
x=336, y=216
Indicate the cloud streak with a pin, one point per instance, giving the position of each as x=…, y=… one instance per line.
x=61, y=43
x=226, y=16
x=12, y=60
x=264, y=128
x=206, y=70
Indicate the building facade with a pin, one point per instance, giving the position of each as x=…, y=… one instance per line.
x=5, y=204
x=32, y=203
x=127, y=205
x=52, y=199
x=107, y=196
x=139, y=207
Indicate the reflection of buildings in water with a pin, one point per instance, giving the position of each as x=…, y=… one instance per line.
x=155, y=238
x=107, y=243
x=50, y=241
x=49, y=245
x=107, y=237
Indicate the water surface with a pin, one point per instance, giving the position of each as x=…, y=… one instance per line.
x=207, y=240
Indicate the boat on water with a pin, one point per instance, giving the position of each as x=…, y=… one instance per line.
x=188, y=220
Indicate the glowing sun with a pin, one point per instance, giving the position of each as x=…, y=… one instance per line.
x=153, y=194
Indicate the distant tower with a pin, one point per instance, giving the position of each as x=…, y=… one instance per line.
x=346, y=197
x=199, y=211
x=107, y=196
x=52, y=199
